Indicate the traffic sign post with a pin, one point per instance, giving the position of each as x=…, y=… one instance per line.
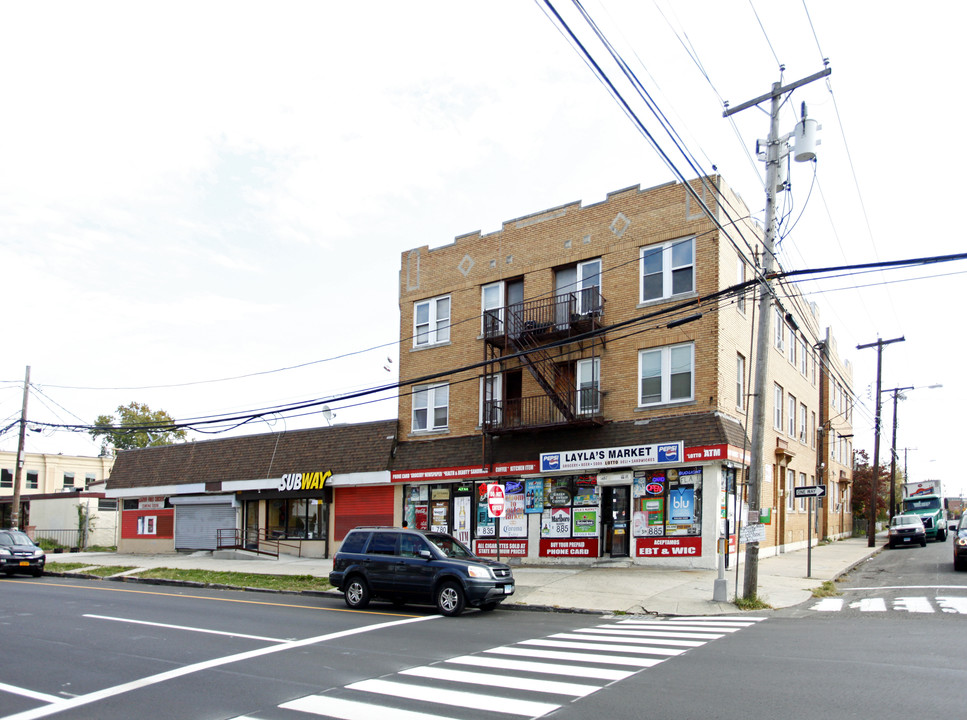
x=809, y=491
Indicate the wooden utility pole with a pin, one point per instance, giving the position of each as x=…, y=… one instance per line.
x=871, y=513
x=776, y=151
x=18, y=471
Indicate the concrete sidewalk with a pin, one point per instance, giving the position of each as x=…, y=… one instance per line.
x=782, y=580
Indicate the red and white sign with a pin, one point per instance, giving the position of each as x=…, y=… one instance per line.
x=669, y=547
x=495, y=500
x=552, y=547
x=467, y=472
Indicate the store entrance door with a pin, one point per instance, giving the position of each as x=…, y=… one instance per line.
x=616, y=520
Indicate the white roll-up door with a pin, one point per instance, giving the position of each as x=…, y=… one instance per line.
x=197, y=526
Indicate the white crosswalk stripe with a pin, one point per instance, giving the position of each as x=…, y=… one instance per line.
x=913, y=604
x=519, y=680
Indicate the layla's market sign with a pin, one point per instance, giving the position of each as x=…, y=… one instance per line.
x=633, y=455
x=304, y=481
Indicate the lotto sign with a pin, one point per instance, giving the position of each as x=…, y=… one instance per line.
x=495, y=500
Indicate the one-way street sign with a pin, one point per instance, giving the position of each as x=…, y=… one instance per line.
x=809, y=491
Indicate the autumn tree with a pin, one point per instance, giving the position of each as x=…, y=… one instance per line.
x=862, y=480
x=137, y=426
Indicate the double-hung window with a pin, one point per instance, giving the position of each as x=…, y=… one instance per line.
x=491, y=397
x=740, y=381
x=588, y=386
x=780, y=331
x=430, y=407
x=792, y=415
x=667, y=269
x=740, y=279
x=802, y=423
x=492, y=306
x=777, y=407
x=666, y=374
x=431, y=321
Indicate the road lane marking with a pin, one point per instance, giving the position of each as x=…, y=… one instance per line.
x=668, y=625
x=185, y=596
x=458, y=698
x=632, y=649
x=913, y=604
x=953, y=605
x=352, y=710
x=907, y=587
x=607, y=635
x=493, y=680
x=33, y=695
x=583, y=671
x=579, y=657
x=81, y=700
x=870, y=605
x=191, y=629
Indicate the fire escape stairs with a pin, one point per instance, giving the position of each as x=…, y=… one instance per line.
x=537, y=361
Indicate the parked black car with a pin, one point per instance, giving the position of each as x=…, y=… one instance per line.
x=907, y=530
x=960, y=544
x=18, y=553
x=403, y=565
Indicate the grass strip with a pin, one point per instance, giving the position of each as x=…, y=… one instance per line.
x=293, y=583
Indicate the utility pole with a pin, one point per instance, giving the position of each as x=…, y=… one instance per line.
x=18, y=471
x=896, y=393
x=776, y=151
x=871, y=512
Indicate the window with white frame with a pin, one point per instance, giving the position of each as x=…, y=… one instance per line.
x=430, y=407
x=431, y=321
x=777, y=406
x=666, y=374
x=492, y=308
x=68, y=479
x=793, y=348
x=588, y=374
x=832, y=444
x=667, y=269
x=802, y=423
x=802, y=500
x=491, y=394
x=740, y=381
x=813, y=365
x=790, y=485
x=803, y=359
x=792, y=415
x=812, y=430
x=780, y=340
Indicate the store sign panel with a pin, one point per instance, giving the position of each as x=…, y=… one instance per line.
x=508, y=548
x=304, y=481
x=464, y=472
x=669, y=547
x=612, y=457
x=551, y=547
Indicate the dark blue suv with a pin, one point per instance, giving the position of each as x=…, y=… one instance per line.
x=410, y=566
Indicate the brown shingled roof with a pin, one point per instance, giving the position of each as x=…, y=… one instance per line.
x=363, y=447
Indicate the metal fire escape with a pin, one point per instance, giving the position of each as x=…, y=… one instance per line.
x=546, y=337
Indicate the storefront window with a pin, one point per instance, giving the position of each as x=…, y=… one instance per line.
x=570, y=507
x=667, y=503
x=303, y=518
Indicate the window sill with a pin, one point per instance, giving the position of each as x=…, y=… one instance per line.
x=426, y=433
x=430, y=346
x=669, y=298
x=659, y=406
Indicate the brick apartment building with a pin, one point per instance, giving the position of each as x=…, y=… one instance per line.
x=591, y=360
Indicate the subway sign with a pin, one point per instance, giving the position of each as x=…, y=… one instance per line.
x=304, y=481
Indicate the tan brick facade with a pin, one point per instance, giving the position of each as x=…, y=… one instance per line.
x=533, y=248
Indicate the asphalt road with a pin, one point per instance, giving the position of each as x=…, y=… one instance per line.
x=89, y=649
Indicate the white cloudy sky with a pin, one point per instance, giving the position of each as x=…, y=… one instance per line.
x=196, y=191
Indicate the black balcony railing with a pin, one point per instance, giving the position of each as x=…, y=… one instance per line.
x=553, y=317
x=540, y=411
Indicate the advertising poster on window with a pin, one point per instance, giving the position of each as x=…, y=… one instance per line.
x=513, y=524
x=586, y=490
x=681, y=509
x=557, y=492
x=439, y=518
x=422, y=517
x=534, y=496
x=462, y=514
x=556, y=523
x=649, y=517
x=486, y=525
x=585, y=522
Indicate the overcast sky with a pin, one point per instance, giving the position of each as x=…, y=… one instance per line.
x=197, y=191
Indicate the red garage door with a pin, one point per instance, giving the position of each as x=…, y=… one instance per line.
x=354, y=506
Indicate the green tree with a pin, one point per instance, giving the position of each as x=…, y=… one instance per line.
x=137, y=426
